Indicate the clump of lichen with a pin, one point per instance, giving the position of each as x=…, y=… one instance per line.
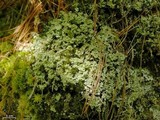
x=67, y=56
x=63, y=64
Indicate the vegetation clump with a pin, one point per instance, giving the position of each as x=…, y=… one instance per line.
x=86, y=60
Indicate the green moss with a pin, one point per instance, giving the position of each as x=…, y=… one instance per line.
x=15, y=73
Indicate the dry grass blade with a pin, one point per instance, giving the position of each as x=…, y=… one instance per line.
x=22, y=31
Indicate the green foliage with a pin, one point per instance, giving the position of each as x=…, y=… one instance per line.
x=127, y=96
x=147, y=43
x=64, y=61
x=149, y=28
x=131, y=4
x=5, y=47
x=14, y=76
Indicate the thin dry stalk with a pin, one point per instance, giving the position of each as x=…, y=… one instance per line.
x=125, y=30
x=95, y=16
x=95, y=84
x=6, y=3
